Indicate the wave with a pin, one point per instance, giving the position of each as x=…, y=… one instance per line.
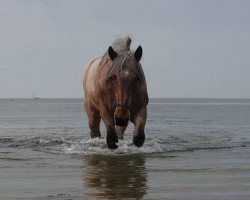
x=82, y=146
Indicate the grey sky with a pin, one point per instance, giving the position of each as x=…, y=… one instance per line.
x=191, y=48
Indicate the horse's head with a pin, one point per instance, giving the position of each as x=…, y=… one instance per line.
x=125, y=77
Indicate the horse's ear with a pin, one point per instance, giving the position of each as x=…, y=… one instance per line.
x=138, y=53
x=112, y=53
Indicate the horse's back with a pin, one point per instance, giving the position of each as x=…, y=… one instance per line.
x=90, y=76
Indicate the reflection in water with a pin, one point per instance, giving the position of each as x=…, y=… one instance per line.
x=116, y=177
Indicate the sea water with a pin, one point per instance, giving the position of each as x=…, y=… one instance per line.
x=194, y=149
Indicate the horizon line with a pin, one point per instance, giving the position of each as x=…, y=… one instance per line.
x=229, y=98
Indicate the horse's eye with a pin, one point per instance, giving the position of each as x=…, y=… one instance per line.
x=113, y=78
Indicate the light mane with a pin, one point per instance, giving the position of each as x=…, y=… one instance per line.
x=124, y=60
x=122, y=43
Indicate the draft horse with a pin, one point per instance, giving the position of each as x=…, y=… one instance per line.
x=116, y=92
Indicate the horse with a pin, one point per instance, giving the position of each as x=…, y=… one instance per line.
x=116, y=92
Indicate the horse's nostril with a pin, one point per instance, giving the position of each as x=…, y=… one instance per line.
x=121, y=121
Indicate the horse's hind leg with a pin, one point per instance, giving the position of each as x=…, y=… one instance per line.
x=120, y=131
x=94, y=125
x=94, y=122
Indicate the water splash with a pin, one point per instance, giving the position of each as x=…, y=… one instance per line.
x=80, y=146
x=99, y=146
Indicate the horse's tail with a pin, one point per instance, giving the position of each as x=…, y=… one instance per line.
x=122, y=43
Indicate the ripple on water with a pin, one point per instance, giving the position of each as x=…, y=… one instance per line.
x=74, y=145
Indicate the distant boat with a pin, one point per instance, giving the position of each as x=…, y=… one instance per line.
x=34, y=97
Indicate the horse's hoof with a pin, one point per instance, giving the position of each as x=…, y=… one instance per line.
x=139, y=140
x=94, y=135
x=112, y=146
x=111, y=140
x=120, y=137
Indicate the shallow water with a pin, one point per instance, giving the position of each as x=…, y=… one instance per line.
x=194, y=149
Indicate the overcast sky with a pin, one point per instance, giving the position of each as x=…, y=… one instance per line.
x=192, y=48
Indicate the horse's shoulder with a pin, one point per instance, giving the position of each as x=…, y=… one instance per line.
x=91, y=66
x=93, y=62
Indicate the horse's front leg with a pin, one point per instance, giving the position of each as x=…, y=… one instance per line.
x=111, y=137
x=139, y=122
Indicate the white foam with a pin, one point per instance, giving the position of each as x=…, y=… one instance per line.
x=99, y=146
x=44, y=141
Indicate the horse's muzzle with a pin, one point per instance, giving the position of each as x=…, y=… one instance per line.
x=121, y=121
x=121, y=115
